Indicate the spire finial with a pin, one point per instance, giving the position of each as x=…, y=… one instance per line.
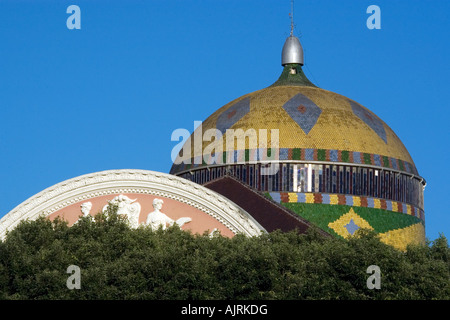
x=292, y=50
x=292, y=17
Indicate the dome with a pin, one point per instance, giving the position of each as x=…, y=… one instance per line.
x=314, y=124
x=323, y=156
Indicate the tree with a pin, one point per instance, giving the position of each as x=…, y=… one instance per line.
x=119, y=262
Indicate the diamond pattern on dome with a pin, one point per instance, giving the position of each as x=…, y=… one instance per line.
x=303, y=111
x=233, y=114
x=351, y=227
x=347, y=224
x=370, y=119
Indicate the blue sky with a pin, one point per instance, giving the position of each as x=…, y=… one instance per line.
x=109, y=95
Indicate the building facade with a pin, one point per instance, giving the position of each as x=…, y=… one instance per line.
x=288, y=156
x=338, y=165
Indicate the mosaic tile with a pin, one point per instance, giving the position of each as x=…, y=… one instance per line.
x=292, y=197
x=394, y=163
x=349, y=200
x=303, y=111
x=377, y=160
x=276, y=196
x=348, y=223
x=400, y=238
x=321, y=155
x=351, y=227
x=363, y=202
x=309, y=198
x=284, y=154
x=345, y=156
x=309, y=154
x=301, y=198
x=296, y=154
x=284, y=197
x=394, y=206
x=386, y=162
x=401, y=166
x=334, y=199
x=354, y=201
x=233, y=114
x=367, y=158
x=376, y=203
x=370, y=119
x=333, y=155
x=318, y=197
x=408, y=209
x=395, y=228
x=357, y=157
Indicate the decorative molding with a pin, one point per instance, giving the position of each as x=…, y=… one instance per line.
x=349, y=200
x=302, y=155
x=108, y=182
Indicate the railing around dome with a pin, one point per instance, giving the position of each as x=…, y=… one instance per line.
x=322, y=178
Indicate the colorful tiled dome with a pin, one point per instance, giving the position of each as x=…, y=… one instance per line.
x=316, y=121
x=329, y=147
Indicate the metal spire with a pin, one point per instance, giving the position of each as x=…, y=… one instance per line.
x=292, y=17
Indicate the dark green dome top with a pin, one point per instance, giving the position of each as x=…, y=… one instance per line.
x=293, y=75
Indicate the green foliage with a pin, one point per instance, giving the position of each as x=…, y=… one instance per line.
x=118, y=262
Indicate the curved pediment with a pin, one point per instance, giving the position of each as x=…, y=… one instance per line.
x=136, y=190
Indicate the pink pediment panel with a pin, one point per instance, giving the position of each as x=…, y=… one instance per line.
x=200, y=223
